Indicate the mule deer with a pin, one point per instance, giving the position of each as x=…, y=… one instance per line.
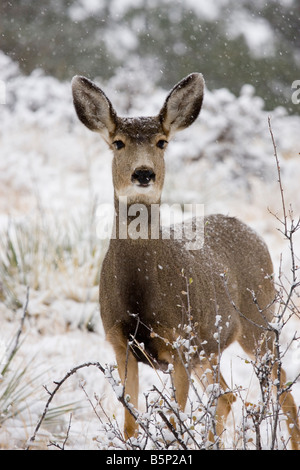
x=141, y=280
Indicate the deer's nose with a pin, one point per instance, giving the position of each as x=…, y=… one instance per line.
x=143, y=176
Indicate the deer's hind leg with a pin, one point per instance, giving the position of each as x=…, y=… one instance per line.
x=289, y=408
x=285, y=398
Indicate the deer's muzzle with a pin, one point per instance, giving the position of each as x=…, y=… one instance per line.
x=143, y=176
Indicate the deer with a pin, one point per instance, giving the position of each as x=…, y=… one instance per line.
x=142, y=284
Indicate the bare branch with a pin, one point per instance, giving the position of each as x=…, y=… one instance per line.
x=52, y=394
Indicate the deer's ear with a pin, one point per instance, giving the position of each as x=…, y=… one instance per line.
x=183, y=103
x=93, y=107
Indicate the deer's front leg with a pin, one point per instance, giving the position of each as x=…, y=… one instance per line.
x=129, y=375
x=180, y=382
x=180, y=378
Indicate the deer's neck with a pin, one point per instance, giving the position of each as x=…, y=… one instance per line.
x=135, y=246
x=136, y=223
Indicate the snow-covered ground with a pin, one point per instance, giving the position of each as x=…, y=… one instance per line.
x=54, y=174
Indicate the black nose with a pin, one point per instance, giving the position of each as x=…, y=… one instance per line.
x=143, y=176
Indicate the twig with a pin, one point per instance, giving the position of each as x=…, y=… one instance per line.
x=62, y=447
x=90, y=401
x=279, y=176
x=17, y=338
x=52, y=394
x=172, y=429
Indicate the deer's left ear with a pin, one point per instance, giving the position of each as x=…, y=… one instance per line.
x=183, y=104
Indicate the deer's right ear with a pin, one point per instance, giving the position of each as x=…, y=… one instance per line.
x=92, y=106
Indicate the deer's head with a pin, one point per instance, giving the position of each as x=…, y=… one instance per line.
x=138, y=144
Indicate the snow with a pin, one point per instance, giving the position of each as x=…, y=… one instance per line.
x=54, y=174
x=257, y=32
x=209, y=10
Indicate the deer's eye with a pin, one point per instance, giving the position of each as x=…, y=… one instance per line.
x=118, y=144
x=161, y=144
